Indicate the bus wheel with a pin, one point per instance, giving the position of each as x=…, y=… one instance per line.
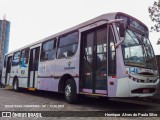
x=70, y=91
x=15, y=85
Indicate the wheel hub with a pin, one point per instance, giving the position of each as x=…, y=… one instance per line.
x=15, y=85
x=68, y=91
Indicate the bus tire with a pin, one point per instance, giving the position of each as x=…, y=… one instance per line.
x=70, y=91
x=15, y=85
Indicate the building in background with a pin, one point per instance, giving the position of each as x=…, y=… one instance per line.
x=4, y=39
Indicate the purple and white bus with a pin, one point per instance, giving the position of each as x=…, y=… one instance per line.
x=108, y=56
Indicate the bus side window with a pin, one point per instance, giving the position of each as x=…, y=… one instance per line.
x=67, y=46
x=16, y=57
x=48, y=51
x=24, y=55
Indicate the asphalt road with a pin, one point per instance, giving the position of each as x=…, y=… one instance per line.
x=50, y=101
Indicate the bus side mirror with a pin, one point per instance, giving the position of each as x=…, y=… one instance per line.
x=120, y=24
x=122, y=31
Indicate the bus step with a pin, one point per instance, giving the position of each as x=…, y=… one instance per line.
x=91, y=94
x=9, y=87
x=32, y=89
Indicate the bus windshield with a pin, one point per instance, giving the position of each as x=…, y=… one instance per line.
x=138, y=51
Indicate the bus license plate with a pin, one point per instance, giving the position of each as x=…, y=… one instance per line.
x=145, y=90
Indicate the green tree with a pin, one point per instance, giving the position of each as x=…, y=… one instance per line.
x=154, y=14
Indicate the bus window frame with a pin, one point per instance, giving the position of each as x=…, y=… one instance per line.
x=17, y=58
x=27, y=59
x=58, y=42
x=54, y=49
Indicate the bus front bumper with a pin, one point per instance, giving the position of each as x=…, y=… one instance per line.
x=129, y=88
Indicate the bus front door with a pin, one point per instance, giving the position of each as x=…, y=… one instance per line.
x=94, y=61
x=33, y=67
x=8, y=70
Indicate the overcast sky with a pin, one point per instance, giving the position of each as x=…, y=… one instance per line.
x=32, y=20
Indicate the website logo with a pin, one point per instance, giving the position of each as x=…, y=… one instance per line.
x=6, y=114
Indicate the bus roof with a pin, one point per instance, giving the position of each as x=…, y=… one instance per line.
x=107, y=16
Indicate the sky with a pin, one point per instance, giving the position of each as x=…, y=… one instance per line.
x=33, y=20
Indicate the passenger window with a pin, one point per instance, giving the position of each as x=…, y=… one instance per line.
x=16, y=57
x=24, y=56
x=48, y=50
x=67, y=45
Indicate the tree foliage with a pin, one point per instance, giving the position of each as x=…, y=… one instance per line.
x=154, y=14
